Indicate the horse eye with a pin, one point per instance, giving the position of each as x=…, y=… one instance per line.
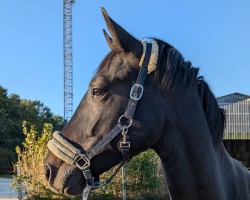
x=98, y=92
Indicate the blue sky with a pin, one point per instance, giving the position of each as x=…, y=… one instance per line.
x=214, y=35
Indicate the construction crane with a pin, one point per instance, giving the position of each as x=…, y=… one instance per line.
x=68, y=58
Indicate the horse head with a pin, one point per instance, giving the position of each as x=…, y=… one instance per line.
x=101, y=109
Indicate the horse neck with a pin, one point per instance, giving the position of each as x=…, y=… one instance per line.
x=189, y=158
x=196, y=168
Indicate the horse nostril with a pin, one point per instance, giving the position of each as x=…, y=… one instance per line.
x=47, y=172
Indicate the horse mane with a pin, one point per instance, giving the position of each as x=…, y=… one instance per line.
x=172, y=68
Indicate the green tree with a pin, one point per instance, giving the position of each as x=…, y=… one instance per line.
x=3, y=115
x=13, y=111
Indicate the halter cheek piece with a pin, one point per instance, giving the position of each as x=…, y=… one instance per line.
x=65, y=151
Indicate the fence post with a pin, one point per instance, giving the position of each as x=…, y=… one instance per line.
x=124, y=182
x=19, y=186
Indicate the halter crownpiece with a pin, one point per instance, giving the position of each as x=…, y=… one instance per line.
x=64, y=150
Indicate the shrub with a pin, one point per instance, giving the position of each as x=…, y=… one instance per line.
x=145, y=179
x=30, y=161
x=144, y=174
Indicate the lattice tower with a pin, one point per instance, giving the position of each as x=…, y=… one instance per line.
x=68, y=58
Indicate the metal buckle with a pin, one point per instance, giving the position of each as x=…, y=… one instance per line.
x=124, y=145
x=82, y=158
x=136, y=96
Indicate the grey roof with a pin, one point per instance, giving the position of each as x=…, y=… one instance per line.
x=231, y=98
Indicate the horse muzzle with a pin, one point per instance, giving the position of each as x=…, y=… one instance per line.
x=66, y=179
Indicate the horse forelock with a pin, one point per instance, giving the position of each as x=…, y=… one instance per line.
x=173, y=68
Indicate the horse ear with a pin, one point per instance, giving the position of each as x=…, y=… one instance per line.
x=121, y=38
x=109, y=39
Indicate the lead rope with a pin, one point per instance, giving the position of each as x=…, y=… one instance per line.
x=124, y=181
x=94, y=186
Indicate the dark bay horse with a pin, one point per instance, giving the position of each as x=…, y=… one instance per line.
x=169, y=109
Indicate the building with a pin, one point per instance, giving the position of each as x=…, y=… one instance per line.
x=237, y=127
x=237, y=110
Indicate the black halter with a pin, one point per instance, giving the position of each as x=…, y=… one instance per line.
x=64, y=150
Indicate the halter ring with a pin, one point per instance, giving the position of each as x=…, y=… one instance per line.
x=127, y=126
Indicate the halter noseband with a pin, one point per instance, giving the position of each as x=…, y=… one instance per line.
x=65, y=151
